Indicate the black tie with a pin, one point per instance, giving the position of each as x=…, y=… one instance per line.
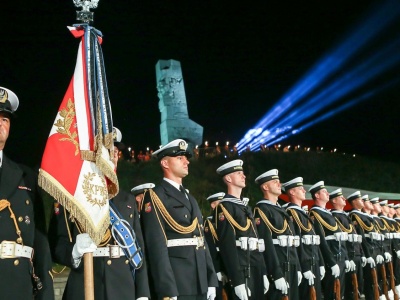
x=183, y=191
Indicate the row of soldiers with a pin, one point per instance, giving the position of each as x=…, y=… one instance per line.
x=333, y=253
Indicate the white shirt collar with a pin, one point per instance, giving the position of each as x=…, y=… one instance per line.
x=173, y=183
x=268, y=202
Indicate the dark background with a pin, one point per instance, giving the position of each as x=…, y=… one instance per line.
x=237, y=60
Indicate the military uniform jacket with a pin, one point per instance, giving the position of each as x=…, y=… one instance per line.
x=18, y=186
x=303, y=225
x=180, y=270
x=390, y=228
x=234, y=258
x=326, y=225
x=381, y=227
x=344, y=221
x=112, y=276
x=394, y=228
x=364, y=225
x=209, y=230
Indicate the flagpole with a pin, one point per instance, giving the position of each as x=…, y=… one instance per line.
x=85, y=15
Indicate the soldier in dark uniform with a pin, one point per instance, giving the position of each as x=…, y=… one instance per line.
x=211, y=237
x=180, y=263
x=138, y=191
x=24, y=249
x=396, y=265
x=276, y=228
x=364, y=227
x=310, y=256
x=331, y=238
x=353, y=243
x=114, y=277
x=238, y=240
x=391, y=242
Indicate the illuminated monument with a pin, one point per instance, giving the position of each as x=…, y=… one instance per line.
x=175, y=122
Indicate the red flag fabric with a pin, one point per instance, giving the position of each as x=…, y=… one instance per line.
x=76, y=166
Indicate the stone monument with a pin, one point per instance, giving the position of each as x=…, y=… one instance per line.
x=175, y=122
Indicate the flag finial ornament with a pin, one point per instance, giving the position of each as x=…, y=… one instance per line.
x=85, y=15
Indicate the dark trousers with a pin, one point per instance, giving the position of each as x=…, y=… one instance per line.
x=349, y=287
x=368, y=285
x=304, y=288
x=274, y=294
x=329, y=280
x=255, y=284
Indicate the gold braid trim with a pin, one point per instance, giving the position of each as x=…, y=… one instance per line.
x=212, y=229
x=232, y=220
x=298, y=221
x=389, y=227
x=266, y=221
x=343, y=228
x=88, y=155
x=167, y=217
x=362, y=224
x=323, y=223
x=6, y=204
x=379, y=226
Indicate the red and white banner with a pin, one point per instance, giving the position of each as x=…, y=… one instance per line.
x=76, y=167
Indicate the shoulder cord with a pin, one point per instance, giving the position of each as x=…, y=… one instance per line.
x=6, y=204
x=323, y=223
x=167, y=217
x=343, y=228
x=379, y=226
x=362, y=224
x=232, y=220
x=266, y=221
x=212, y=229
x=389, y=227
x=298, y=221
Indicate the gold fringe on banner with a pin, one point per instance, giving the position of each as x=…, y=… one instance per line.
x=61, y=195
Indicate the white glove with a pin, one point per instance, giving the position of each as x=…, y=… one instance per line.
x=299, y=277
x=83, y=244
x=363, y=261
x=310, y=277
x=353, y=266
x=222, y=277
x=335, y=271
x=388, y=256
x=382, y=297
x=391, y=295
x=398, y=253
x=240, y=291
x=211, y=293
x=142, y=298
x=347, y=268
x=371, y=262
x=266, y=284
x=282, y=285
x=322, y=272
x=173, y=298
x=398, y=289
x=379, y=259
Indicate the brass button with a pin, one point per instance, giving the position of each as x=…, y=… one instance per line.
x=109, y=262
x=126, y=262
x=16, y=262
x=27, y=202
x=131, y=216
x=20, y=219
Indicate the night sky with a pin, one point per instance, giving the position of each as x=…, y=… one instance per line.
x=238, y=60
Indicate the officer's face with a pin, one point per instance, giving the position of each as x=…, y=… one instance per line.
x=4, y=129
x=274, y=187
x=177, y=166
x=115, y=156
x=357, y=203
x=323, y=195
x=299, y=193
x=368, y=205
x=377, y=208
x=238, y=179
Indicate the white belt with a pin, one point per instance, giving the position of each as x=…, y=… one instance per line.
x=111, y=251
x=373, y=236
x=309, y=239
x=389, y=235
x=287, y=241
x=330, y=237
x=252, y=243
x=396, y=235
x=195, y=241
x=10, y=249
x=355, y=238
x=338, y=236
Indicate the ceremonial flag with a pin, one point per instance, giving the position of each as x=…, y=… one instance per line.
x=76, y=167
